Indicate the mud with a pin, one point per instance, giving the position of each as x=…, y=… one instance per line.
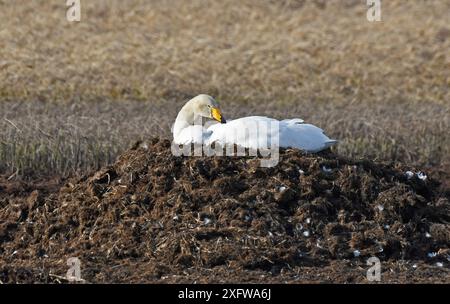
x=155, y=217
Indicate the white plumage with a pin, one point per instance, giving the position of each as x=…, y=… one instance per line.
x=253, y=132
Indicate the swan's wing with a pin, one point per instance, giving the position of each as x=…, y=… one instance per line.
x=261, y=132
x=253, y=132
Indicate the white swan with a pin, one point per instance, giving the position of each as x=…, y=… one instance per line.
x=252, y=132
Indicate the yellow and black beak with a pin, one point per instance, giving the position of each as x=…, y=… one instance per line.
x=217, y=115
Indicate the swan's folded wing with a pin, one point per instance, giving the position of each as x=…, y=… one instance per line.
x=261, y=132
x=249, y=132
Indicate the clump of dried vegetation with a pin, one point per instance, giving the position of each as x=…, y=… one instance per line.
x=155, y=217
x=74, y=95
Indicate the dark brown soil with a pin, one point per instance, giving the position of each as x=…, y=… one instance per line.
x=154, y=217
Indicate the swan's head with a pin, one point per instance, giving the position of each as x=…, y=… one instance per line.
x=205, y=106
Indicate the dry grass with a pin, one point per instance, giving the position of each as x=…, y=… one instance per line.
x=73, y=95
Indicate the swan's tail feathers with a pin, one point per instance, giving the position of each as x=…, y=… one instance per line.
x=330, y=143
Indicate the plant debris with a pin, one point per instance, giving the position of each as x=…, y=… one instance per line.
x=152, y=216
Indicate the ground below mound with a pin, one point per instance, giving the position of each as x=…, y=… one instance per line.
x=155, y=217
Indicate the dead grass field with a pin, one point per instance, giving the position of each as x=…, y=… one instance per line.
x=74, y=95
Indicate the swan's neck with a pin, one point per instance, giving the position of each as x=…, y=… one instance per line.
x=185, y=118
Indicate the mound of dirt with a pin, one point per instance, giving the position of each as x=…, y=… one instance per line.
x=153, y=216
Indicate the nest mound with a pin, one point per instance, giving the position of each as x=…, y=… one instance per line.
x=165, y=214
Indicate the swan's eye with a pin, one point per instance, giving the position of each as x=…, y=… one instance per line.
x=209, y=106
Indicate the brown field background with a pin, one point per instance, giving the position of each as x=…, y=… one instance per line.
x=75, y=95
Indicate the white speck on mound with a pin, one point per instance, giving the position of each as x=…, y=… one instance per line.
x=409, y=174
x=380, y=207
x=427, y=235
x=308, y=220
x=326, y=169
x=432, y=254
x=282, y=188
x=306, y=233
x=207, y=221
x=414, y=266
x=356, y=253
x=422, y=176
x=439, y=264
x=301, y=172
